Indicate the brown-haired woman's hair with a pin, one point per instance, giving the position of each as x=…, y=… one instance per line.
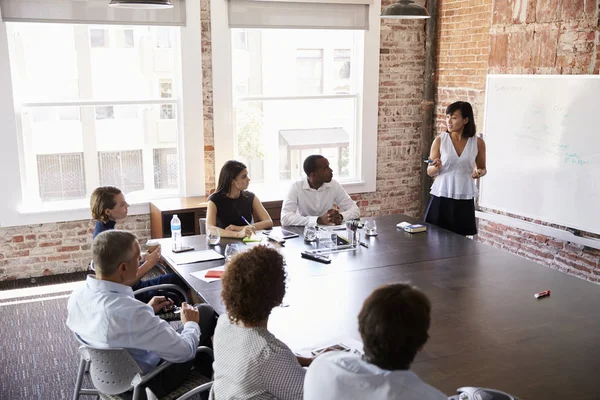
x=231, y=169
x=466, y=111
x=103, y=198
x=253, y=284
x=393, y=324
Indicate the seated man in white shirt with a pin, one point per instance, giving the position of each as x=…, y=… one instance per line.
x=104, y=313
x=393, y=325
x=318, y=199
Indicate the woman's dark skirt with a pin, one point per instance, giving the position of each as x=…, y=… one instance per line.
x=457, y=216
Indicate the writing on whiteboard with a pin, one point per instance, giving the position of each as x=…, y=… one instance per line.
x=508, y=88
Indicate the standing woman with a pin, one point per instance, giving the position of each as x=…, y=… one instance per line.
x=458, y=158
x=232, y=208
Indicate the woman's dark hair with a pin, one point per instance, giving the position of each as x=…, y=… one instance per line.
x=310, y=163
x=231, y=169
x=393, y=324
x=467, y=112
x=253, y=284
x=103, y=198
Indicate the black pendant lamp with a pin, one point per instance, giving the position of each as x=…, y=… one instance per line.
x=142, y=4
x=405, y=9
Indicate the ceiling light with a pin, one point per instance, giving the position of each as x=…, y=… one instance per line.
x=142, y=4
x=405, y=9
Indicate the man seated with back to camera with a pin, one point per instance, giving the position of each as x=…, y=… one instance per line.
x=318, y=199
x=104, y=313
x=393, y=325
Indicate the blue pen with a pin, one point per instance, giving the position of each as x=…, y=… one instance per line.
x=246, y=221
x=428, y=161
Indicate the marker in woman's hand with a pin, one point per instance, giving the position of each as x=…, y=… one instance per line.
x=428, y=161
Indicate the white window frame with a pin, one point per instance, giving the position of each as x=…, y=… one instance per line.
x=190, y=139
x=365, y=160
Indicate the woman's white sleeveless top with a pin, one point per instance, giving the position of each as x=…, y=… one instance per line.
x=454, y=179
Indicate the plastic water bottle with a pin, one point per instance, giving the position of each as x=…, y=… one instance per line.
x=176, y=232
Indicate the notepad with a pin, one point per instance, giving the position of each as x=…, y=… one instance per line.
x=204, y=275
x=414, y=228
x=214, y=273
x=194, y=256
x=252, y=238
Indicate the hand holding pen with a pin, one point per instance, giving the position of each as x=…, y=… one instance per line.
x=249, y=230
x=435, y=164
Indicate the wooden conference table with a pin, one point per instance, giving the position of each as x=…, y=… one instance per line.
x=487, y=328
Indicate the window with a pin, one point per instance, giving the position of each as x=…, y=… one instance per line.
x=61, y=176
x=309, y=71
x=53, y=76
x=128, y=39
x=122, y=169
x=308, y=90
x=285, y=93
x=165, y=168
x=342, y=61
x=166, y=110
x=163, y=37
x=72, y=147
x=99, y=37
x=105, y=112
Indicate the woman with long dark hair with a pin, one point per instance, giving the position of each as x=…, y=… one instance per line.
x=234, y=210
x=457, y=160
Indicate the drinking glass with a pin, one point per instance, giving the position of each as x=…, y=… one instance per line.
x=213, y=237
x=230, y=250
x=310, y=233
x=370, y=227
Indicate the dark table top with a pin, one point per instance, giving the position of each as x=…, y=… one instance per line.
x=487, y=328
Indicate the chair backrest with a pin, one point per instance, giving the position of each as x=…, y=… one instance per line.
x=202, y=226
x=112, y=370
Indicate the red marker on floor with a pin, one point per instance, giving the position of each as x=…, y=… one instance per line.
x=542, y=294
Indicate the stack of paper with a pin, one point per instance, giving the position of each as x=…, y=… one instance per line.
x=190, y=257
x=202, y=274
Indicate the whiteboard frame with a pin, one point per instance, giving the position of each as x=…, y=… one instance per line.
x=512, y=221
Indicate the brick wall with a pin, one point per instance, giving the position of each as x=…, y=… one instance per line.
x=402, y=64
x=525, y=37
x=56, y=248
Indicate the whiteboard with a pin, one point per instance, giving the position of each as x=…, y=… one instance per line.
x=542, y=135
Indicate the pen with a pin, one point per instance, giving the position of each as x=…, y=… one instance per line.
x=364, y=244
x=428, y=161
x=542, y=294
x=246, y=221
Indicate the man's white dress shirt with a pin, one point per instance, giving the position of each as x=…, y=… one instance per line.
x=303, y=204
x=340, y=375
x=105, y=314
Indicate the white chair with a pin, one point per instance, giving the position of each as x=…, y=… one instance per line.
x=114, y=372
x=197, y=390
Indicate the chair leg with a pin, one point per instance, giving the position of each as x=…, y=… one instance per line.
x=136, y=392
x=80, y=372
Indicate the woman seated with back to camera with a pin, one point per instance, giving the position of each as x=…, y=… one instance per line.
x=231, y=208
x=250, y=362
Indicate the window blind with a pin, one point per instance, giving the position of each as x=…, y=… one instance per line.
x=89, y=12
x=297, y=15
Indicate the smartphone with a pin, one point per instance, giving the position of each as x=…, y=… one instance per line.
x=182, y=249
x=335, y=347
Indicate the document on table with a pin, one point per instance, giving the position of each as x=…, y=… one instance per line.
x=190, y=257
x=348, y=344
x=202, y=274
x=333, y=227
